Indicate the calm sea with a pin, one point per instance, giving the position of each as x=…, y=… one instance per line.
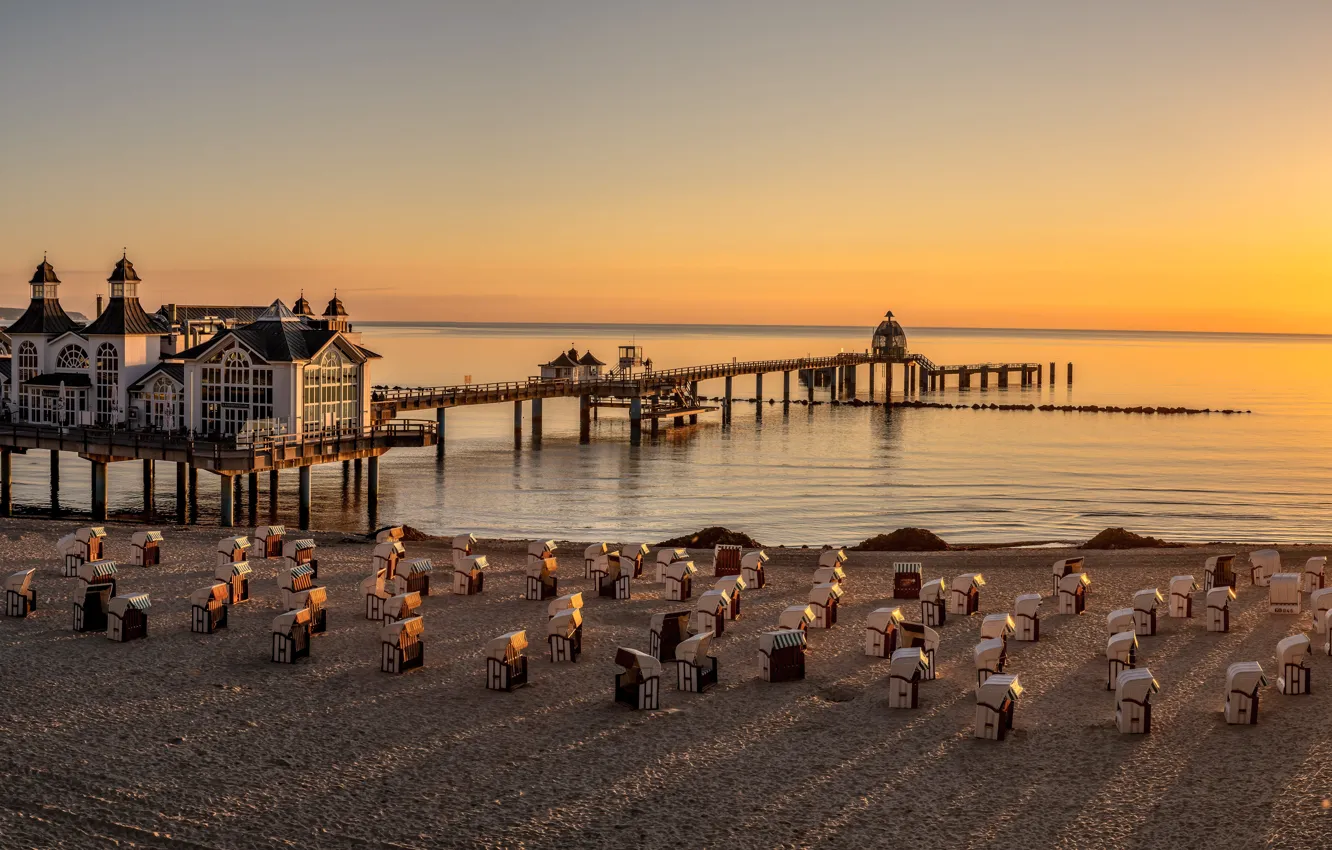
x=841, y=474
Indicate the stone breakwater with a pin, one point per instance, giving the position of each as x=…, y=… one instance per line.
x=1046, y=408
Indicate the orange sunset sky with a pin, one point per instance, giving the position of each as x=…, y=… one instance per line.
x=1030, y=164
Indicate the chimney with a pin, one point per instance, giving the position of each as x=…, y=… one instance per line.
x=99, y=306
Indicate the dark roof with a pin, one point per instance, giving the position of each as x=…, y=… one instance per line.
x=563, y=361
x=122, y=317
x=55, y=379
x=195, y=312
x=43, y=316
x=4, y=367
x=174, y=371
x=45, y=274
x=302, y=307
x=124, y=272
x=278, y=312
x=335, y=308
x=589, y=359
x=276, y=342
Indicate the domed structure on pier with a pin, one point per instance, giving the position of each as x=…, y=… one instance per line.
x=889, y=338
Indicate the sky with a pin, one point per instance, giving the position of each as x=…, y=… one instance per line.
x=1150, y=165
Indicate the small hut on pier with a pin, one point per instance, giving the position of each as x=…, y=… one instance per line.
x=1218, y=608
x=710, y=613
x=933, y=602
x=996, y=700
x=665, y=632
x=989, y=655
x=291, y=636
x=506, y=665
x=208, y=608
x=1263, y=564
x=1027, y=615
x=680, y=580
x=1293, y=656
x=401, y=646
x=1182, y=589
x=232, y=550
x=922, y=637
x=1219, y=571
x=1073, y=593
x=695, y=666
x=1145, y=602
x=127, y=617
x=1243, y=681
x=638, y=685
x=782, y=655
x=726, y=560
x=905, y=672
x=796, y=617
x=146, y=548
x=823, y=599
x=1133, y=701
x=1121, y=653
x=732, y=585
x=268, y=541
x=564, y=634
x=1283, y=593
x=1063, y=568
x=965, y=596
x=751, y=568
x=236, y=576
x=20, y=595
x=881, y=631
x=469, y=577
x=907, y=579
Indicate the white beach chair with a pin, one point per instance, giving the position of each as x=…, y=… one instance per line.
x=1283, y=593
x=999, y=626
x=989, y=656
x=665, y=632
x=314, y=600
x=996, y=700
x=299, y=552
x=374, y=590
x=232, y=550
x=830, y=575
x=20, y=595
x=726, y=560
x=1121, y=620
x=414, y=575
x=469, y=577
x=1121, y=653
x=1243, y=681
x=563, y=603
x=146, y=548
x=208, y=608
x=268, y=542
x=782, y=655
x=600, y=566
x=1073, y=593
x=1133, y=701
x=1293, y=656
x=710, y=613
x=752, y=568
x=1063, y=568
x=933, y=602
x=1027, y=615
x=906, y=670
x=542, y=583
x=617, y=580
x=401, y=646
x=732, y=585
x=291, y=636
x=385, y=556
x=1181, y=596
x=1145, y=602
x=1218, y=608
x=965, y=595
x=593, y=556
x=463, y=546
x=920, y=636
x=539, y=551
x=680, y=580
x=1314, y=570
x=237, y=578
x=797, y=617
x=664, y=559
x=695, y=667
x=1262, y=565
x=832, y=558
x=1219, y=571
x=907, y=579
x=506, y=665
x=81, y=546
x=564, y=635
x=881, y=631
x=291, y=581
x=638, y=685
x=823, y=599
x=1320, y=602
x=127, y=617
x=401, y=606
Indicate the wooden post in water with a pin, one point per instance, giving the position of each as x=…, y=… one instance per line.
x=273, y=495
x=636, y=415
x=517, y=422
x=871, y=380
x=226, y=500
x=786, y=388
x=98, y=490
x=182, y=490
x=536, y=420
x=149, y=485
x=1070, y=373
x=304, y=515
x=888, y=380
x=55, y=483
x=372, y=492
x=439, y=433
x=6, y=484
x=584, y=418
x=758, y=388
x=693, y=394
x=726, y=405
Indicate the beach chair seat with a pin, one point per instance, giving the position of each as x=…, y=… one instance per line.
x=1121, y=653
x=127, y=617
x=679, y=580
x=291, y=636
x=906, y=670
x=1219, y=571
x=881, y=627
x=934, y=602
x=1263, y=564
x=920, y=636
x=782, y=655
x=824, y=600
x=401, y=646
x=506, y=665
x=1063, y=568
x=1181, y=596
x=1320, y=602
x=564, y=635
x=665, y=632
x=1072, y=593
x=1283, y=593
x=907, y=580
x=1218, y=608
x=696, y=668
x=726, y=560
x=1313, y=575
x=996, y=700
x=1133, y=701
x=1145, y=603
x=1243, y=681
x=469, y=576
x=208, y=608
x=236, y=576
x=1293, y=656
x=146, y=548
x=20, y=595
x=965, y=594
x=268, y=542
x=1026, y=614
x=732, y=585
x=752, y=569
x=638, y=684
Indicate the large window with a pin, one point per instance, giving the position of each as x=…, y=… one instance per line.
x=165, y=404
x=235, y=392
x=72, y=358
x=332, y=393
x=108, y=383
x=27, y=362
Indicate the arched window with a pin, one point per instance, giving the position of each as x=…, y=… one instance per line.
x=108, y=383
x=72, y=357
x=164, y=404
x=332, y=392
x=27, y=362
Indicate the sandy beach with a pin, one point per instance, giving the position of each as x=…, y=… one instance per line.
x=185, y=740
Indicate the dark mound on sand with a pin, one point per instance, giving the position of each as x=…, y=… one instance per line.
x=411, y=535
x=904, y=540
x=1118, y=538
x=712, y=536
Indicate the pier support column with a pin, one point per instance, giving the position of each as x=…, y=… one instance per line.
x=584, y=418
x=517, y=422
x=193, y=492
x=182, y=491
x=758, y=388
x=253, y=495
x=786, y=388
x=227, y=493
x=1053, y=373
x=372, y=492
x=635, y=417
x=6, y=483
x=273, y=495
x=149, y=486
x=439, y=433
x=871, y=381
x=536, y=420
x=888, y=381
x=985, y=379
x=1003, y=379
x=1040, y=375
x=305, y=497
x=726, y=405
x=810, y=378
x=55, y=484
x=98, y=490
x=1070, y=373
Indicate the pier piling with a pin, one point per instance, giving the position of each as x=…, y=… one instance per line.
x=194, y=492
x=439, y=432
x=149, y=486
x=305, y=497
x=182, y=489
x=98, y=490
x=786, y=388
x=1070, y=373
x=517, y=423
x=273, y=495
x=536, y=420
x=584, y=418
x=55, y=483
x=636, y=416
x=372, y=491
x=6, y=486
x=227, y=500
